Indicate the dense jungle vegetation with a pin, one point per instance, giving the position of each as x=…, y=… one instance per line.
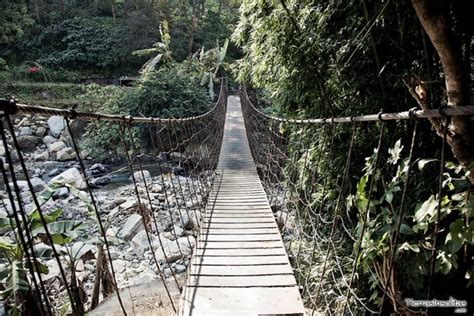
x=300, y=58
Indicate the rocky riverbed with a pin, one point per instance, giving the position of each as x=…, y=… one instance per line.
x=172, y=203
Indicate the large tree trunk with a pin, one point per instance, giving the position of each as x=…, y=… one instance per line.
x=433, y=17
x=192, y=30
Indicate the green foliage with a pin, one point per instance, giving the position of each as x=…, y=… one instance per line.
x=316, y=58
x=82, y=43
x=13, y=21
x=418, y=223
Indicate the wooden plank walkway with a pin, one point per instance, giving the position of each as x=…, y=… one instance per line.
x=240, y=266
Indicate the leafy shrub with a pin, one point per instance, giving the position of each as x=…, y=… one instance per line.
x=167, y=92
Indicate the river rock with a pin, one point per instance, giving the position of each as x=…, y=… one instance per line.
x=56, y=125
x=25, y=131
x=41, y=131
x=38, y=184
x=56, y=147
x=22, y=185
x=42, y=156
x=132, y=226
x=28, y=143
x=70, y=176
x=48, y=140
x=138, y=175
x=140, y=242
x=179, y=268
x=101, y=181
x=66, y=154
x=97, y=169
x=172, y=249
x=119, y=265
x=61, y=193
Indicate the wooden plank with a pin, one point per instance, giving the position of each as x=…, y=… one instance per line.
x=242, y=270
x=242, y=302
x=242, y=281
x=240, y=252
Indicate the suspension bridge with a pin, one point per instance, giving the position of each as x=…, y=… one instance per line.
x=243, y=168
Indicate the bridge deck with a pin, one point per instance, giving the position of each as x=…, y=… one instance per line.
x=240, y=266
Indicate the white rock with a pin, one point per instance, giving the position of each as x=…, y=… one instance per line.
x=56, y=125
x=42, y=157
x=179, y=268
x=140, y=242
x=22, y=185
x=132, y=226
x=172, y=249
x=48, y=140
x=2, y=150
x=70, y=176
x=25, y=131
x=66, y=154
x=38, y=184
x=138, y=175
x=119, y=265
x=129, y=204
x=41, y=131
x=56, y=146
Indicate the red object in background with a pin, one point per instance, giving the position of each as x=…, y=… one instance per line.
x=34, y=69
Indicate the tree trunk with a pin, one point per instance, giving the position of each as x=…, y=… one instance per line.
x=113, y=11
x=433, y=17
x=192, y=30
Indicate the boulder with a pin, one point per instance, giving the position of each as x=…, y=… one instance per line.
x=119, y=200
x=22, y=185
x=48, y=140
x=66, y=154
x=132, y=226
x=41, y=131
x=172, y=249
x=129, y=204
x=140, y=243
x=41, y=157
x=56, y=125
x=61, y=193
x=2, y=150
x=97, y=168
x=71, y=176
x=179, y=268
x=28, y=143
x=38, y=184
x=56, y=147
x=25, y=131
x=101, y=181
x=138, y=175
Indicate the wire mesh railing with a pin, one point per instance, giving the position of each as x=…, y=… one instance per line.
x=161, y=213
x=355, y=227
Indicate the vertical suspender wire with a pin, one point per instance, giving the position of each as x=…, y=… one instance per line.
x=172, y=128
x=325, y=183
x=336, y=210
x=438, y=210
x=135, y=152
x=193, y=187
x=365, y=214
x=96, y=210
x=140, y=205
x=167, y=197
x=312, y=228
x=392, y=263
x=42, y=218
x=293, y=190
x=30, y=261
